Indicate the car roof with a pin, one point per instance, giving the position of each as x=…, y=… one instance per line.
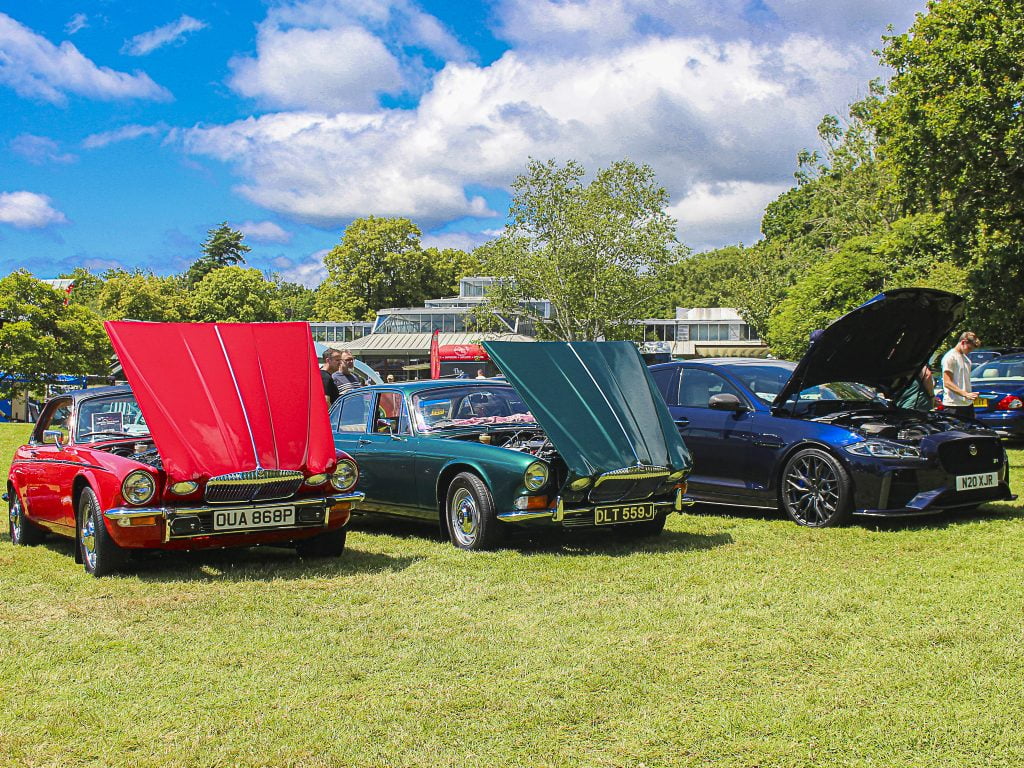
x=424, y=384
x=82, y=394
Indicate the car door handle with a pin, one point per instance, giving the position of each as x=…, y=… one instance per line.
x=363, y=441
x=682, y=421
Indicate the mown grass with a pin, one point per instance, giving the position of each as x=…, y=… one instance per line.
x=733, y=640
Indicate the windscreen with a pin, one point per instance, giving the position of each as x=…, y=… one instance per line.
x=109, y=417
x=453, y=407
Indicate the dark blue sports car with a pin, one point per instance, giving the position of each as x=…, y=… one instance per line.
x=1000, y=388
x=821, y=439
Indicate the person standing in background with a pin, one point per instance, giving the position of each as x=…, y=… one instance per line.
x=957, y=397
x=332, y=361
x=345, y=377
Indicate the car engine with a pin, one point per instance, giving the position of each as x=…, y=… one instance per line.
x=142, y=451
x=905, y=425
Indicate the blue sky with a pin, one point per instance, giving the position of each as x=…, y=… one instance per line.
x=130, y=129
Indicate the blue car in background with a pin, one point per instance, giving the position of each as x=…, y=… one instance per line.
x=821, y=439
x=1000, y=388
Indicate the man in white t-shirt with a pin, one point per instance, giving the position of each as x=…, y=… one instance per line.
x=957, y=397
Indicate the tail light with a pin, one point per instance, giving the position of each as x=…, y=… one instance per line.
x=1010, y=403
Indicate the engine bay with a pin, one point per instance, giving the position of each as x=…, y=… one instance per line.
x=902, y=425
x=142, y=451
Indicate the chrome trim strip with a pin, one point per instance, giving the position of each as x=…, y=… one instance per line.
x=238, y=391
x=169, y=513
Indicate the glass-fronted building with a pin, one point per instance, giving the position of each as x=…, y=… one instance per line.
x=702, y=332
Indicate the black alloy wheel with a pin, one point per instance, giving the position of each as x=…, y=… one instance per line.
x=100, y=553
x=816, y=490
x=327, y=544
x=23, y=531
x=470, y=514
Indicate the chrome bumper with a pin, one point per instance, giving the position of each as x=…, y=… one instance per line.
x=122, y=515
x=556, y=514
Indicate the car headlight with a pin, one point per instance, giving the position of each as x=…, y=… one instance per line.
x=536, y=476
x=185, y=487
x=883, y=449
x=138, y=487
x=345, y=476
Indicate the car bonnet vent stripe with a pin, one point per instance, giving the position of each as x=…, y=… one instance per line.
x=611, y=408
x=238, y=391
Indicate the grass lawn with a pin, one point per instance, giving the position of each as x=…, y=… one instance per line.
x=731, y=640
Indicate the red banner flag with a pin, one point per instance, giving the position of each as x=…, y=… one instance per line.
x=435, y=356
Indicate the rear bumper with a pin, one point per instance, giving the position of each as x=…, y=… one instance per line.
x=584, y=515
x=176, y=525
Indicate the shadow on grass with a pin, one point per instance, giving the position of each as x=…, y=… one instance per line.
x=261, y=563
x=550, y=539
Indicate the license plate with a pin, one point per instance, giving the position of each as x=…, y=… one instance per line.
x=623, y=513
x=974, y=482
x=261, y=517
x=981, y=402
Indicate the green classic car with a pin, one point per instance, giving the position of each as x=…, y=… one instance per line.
x=576, y=435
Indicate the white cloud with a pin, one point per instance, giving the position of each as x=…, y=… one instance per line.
x=28, y=210
x=125, y=133
x=309, y=273
x=264, y=232
x=713, y=214
x=40, y=149
x=464, y=241
x=330, y=69
x=168, y=34
x=696, y=110
x=37, y=69
x=76, y=23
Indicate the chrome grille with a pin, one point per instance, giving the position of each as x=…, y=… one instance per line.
x=629, y=483
x=253, y=485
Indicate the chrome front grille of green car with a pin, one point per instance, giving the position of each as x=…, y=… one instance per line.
x=629, y=483
x=253, y=485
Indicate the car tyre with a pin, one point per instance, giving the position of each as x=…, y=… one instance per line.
x=327, y=544
x=100, y=553
x=470, y=514
x=646, y=528
x=22, y=530
x=816, y=490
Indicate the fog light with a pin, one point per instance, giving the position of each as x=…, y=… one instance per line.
x=184, y=488
x=316, y=479
x=581, y=484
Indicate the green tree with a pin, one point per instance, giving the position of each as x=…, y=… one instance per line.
x=40, y=337
x=379, y=263
x=223, y=247
x=87, y=287
x=297, y=302
x=599, y=251
x=952, y=133
x=236, y=295
x=140, y=295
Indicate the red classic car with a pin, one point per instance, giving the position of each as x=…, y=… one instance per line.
x=221, y=439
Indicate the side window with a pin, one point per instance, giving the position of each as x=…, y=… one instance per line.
x=663, y=378
x=56, y=416
x=353, y=412
x=387, y=413
x=696, y=387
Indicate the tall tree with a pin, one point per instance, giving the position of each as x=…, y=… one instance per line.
x=87, y=287
x=297, y=302
x=953, y=134
x=597, y=251
x=380, y=262
x=140, y=295
x=223, y=247
x=41, y=338
x=237, y=295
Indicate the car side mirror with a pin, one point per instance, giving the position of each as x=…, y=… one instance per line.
x=52, y=437
x=726, y=401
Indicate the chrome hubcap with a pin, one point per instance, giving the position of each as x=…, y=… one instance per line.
x=16, y=521
x=812, y=490
x=89, y=542
x=465, y=516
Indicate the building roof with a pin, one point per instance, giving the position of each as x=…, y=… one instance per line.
x=416, y=343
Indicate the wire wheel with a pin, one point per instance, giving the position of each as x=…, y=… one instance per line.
x=23, y=531
x=815, y=489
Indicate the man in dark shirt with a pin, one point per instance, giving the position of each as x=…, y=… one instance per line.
x=332, y=362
